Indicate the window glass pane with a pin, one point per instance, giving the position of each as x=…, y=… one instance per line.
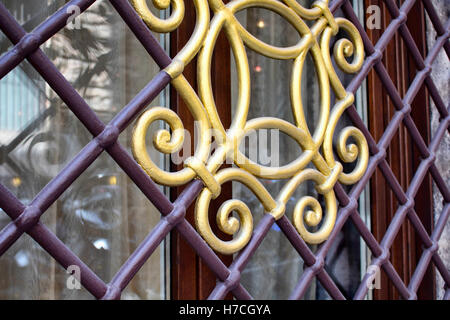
x=103, y=216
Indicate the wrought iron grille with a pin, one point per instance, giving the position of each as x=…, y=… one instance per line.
x=25, y=218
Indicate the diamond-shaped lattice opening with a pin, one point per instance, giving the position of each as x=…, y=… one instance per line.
x=439, y=72
x=381, y=194
x=40, y=135
x=343, y=260
x=423, y=204
x=436, y=118
x=397, y=155
x=103, y=217
x=102, y=59
x=438, y=202
x=420, y=119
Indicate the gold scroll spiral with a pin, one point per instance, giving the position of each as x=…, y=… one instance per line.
x=317, y=147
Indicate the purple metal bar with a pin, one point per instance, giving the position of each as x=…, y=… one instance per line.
x=26, y=218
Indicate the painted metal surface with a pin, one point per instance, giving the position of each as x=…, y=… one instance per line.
x=26, y=218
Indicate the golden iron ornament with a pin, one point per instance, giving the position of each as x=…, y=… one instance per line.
x=317, y=147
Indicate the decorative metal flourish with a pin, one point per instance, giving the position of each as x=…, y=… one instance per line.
x=317, y=147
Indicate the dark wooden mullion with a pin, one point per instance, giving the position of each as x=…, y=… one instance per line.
x=377, y=116
x=190, y=277
x=420, y=112
x=183, y=258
